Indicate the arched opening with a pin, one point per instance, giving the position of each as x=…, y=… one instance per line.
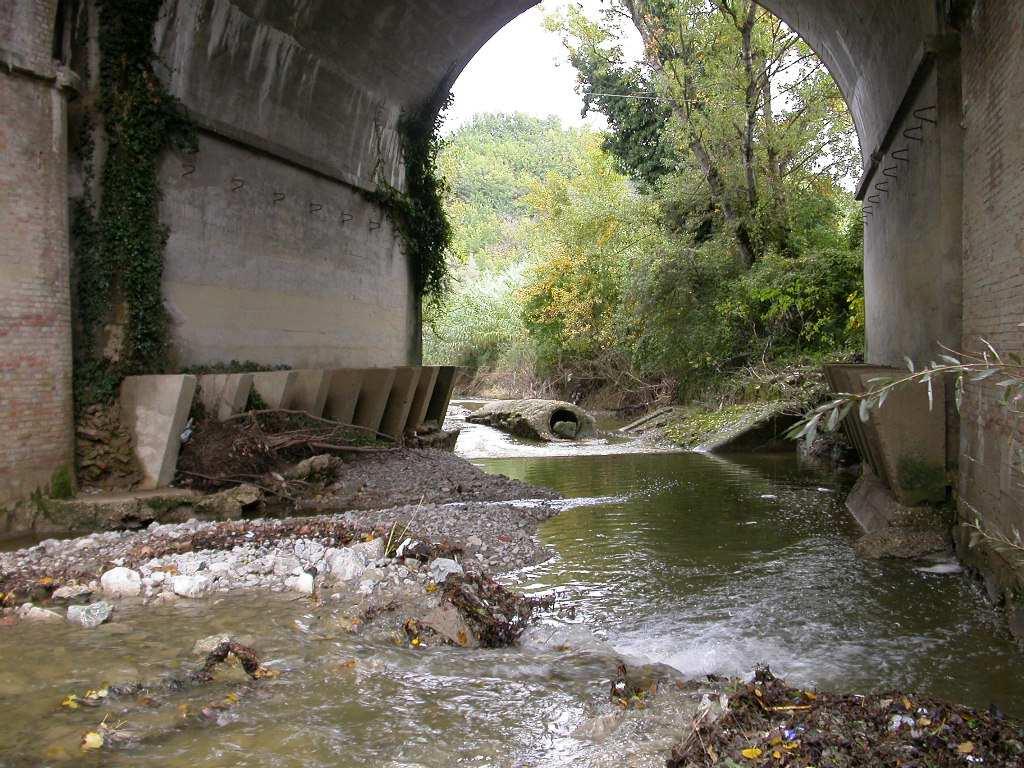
x=569, y=238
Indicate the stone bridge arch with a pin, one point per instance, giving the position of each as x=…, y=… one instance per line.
x=275, y=255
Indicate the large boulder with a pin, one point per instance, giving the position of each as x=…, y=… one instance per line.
x=121, y=582
x=548, y=420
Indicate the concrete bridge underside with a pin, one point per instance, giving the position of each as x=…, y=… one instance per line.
x=274, y=255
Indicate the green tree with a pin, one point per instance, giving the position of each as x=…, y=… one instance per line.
x=742, y=102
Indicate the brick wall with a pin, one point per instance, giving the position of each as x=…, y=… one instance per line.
x=35, y=330
x=993, y=285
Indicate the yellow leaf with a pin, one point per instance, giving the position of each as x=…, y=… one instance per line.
x=183, y=710
x=232, y=697
x=965, y=748
x=71, y=702
x=431, y=587
x=462, y=638
x=92, y=740
x=752, y=753
x=777, y=755
x=46, y=581
x=791, y=745
x=907, y=703
x=924, y=722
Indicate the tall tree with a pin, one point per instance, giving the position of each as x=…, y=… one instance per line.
x=731, y=91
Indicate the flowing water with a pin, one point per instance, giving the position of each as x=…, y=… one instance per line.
x=704, y=564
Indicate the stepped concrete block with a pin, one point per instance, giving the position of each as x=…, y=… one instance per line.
x=437, y=409
x=343, y=393
x=155, y=409
x=403, y=390
x=373, y=397
x=421, y=399
x=225, y=394
x=277, y=388
x=904, y=440
x=310, y=391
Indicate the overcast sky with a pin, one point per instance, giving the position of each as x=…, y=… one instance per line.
x=524, y=68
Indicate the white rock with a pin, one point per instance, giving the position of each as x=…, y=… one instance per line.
x=285, y=564
x=69, y=593
x=158, y=577
x=207, y=645
x=442, y=568
x=474, y=541
x=90, y=616
x=371, y=550
x=345, y=564
x=190, y=586
x=29, y=612
x=121, y=582
x=302, y=583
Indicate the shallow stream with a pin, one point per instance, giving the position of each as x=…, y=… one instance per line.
x=707, y=565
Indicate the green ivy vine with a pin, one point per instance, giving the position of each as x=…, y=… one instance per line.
x=119, y=247
x=418, y=213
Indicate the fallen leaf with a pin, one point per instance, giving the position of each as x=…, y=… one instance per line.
x=92, y=740
x=965, y=748
x=752, y=753
x=70, y=701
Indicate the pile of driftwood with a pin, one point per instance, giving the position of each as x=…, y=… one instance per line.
x=252, y=446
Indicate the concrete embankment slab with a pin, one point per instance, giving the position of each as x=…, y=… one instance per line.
x=309, y=391
x=437, y=408
x=276, y=388
x=421, y=398
x=344, y=385
x=155, y=409
x=373, y=397
x=225, y=394
x=903, y=440
x=403, y=390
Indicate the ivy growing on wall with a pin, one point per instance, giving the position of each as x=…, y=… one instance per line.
x=418, y=213
x=119, y=247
